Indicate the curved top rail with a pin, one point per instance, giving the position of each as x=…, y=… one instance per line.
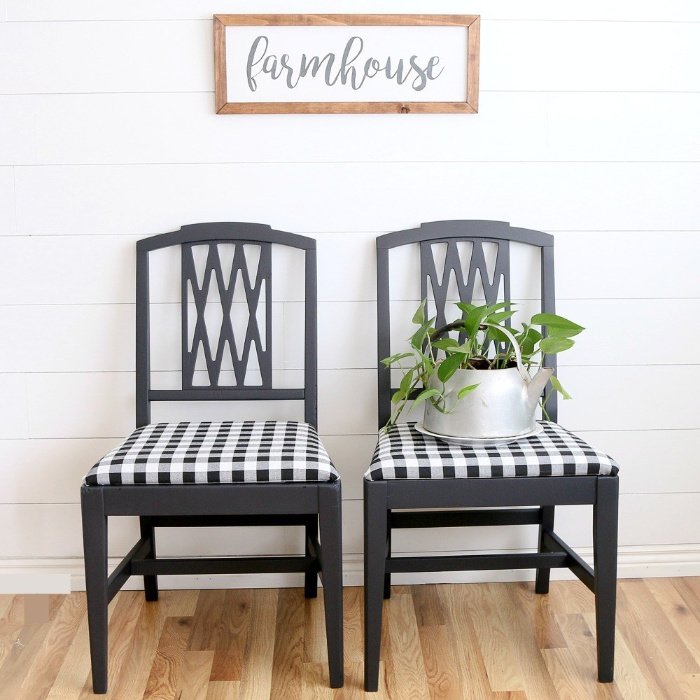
x=465, y=228
x=225, y=230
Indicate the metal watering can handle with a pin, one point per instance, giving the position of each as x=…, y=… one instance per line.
x=516, y=348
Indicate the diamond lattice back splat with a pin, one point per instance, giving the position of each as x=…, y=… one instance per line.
x=196, y=342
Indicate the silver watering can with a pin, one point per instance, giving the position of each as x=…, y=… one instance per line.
x=503, y=405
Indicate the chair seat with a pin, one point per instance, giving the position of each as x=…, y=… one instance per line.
x=216, y=452
x=404, y=453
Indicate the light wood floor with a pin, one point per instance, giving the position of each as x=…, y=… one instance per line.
x=448, y=641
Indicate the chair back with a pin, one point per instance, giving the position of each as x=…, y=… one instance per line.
x=463, y=270
x=225, y=267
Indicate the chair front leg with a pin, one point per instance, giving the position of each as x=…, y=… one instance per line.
x=375, y=509
x=311, y=577
x=95, y=554
x=329, y=512
x=546, y=523
x=387, y=574
x=150, y=582
x=605, y=571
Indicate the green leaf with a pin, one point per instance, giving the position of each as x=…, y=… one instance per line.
x=419, y=316
x=419, y=336
x=552, y=321
x=474, y=319
x=396, y=358
x=556, y=385
x=445, y=343
x=449, y=366
x=528, y=340
x=492, y=308
x=466, y=390
x=500, y=316
x=406, y=382
x=425, y=394
x=463, y=306
x=562, y=332
x=551, y=345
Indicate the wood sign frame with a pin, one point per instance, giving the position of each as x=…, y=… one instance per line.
x=469, y=105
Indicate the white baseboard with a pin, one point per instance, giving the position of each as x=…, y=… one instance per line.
x=65, y=575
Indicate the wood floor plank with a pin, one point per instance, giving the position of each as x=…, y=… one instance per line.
x=10, y=624
x=166, y=668
x=194, y=678
x=287, y=667
x=406, y=672
x=544, y=626
x=465, y=644
x=651, y=658
x=494, y=640
x=315, y=630
x=353, y=625
x=230, y=647
x=440, y=663
x=666, y=637
x=522, y=622
x=675, y=609
x=256, y=678
x=223, y=690
x=48, y=660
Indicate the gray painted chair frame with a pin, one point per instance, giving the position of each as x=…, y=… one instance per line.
x=315, y=506
x=388, y=504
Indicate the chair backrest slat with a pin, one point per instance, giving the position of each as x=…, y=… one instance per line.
x=246, y=285
x=464, y=265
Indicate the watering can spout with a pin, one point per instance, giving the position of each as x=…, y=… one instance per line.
x=536, y=386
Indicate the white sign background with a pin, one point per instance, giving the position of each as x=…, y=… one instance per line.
x=379, y=42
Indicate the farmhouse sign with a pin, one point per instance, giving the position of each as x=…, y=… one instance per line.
x=346, y=63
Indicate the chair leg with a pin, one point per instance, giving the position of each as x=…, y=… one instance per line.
x=546, y=523
x=150, y=582
x=329, y=511
x=311, y=577
x=375, y=504
x=387, y=574
x=605, y=570
x=95, y=554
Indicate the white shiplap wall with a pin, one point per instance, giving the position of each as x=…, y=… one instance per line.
x=588, y=128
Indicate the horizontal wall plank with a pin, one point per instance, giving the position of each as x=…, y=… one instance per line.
x=623, y=10
x=52, y=530
x=585, y=61
x=179, y=57
x=651, y=265
x=653, y=461
x=69, y=129
x=7, y=201
x=631, y=398
x=47, y=471
x=342, y=197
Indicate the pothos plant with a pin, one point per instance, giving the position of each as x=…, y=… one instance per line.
x=482, y=345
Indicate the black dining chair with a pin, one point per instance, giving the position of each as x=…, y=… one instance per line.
x=218, y=473
x=418, y=481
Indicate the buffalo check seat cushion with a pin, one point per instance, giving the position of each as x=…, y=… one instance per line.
x=216, y=452
x=404, y=453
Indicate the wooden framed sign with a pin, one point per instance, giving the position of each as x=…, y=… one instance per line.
x=328, y=64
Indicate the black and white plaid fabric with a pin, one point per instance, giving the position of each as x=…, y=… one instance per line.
x=404, y=453
x=216, y=452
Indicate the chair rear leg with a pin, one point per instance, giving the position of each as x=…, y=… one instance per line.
x=546, y=523
x=150, y=582
x=375, y=506
x=605, y=569
x=95, y=553
x=311, y=577
x=329, y=507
